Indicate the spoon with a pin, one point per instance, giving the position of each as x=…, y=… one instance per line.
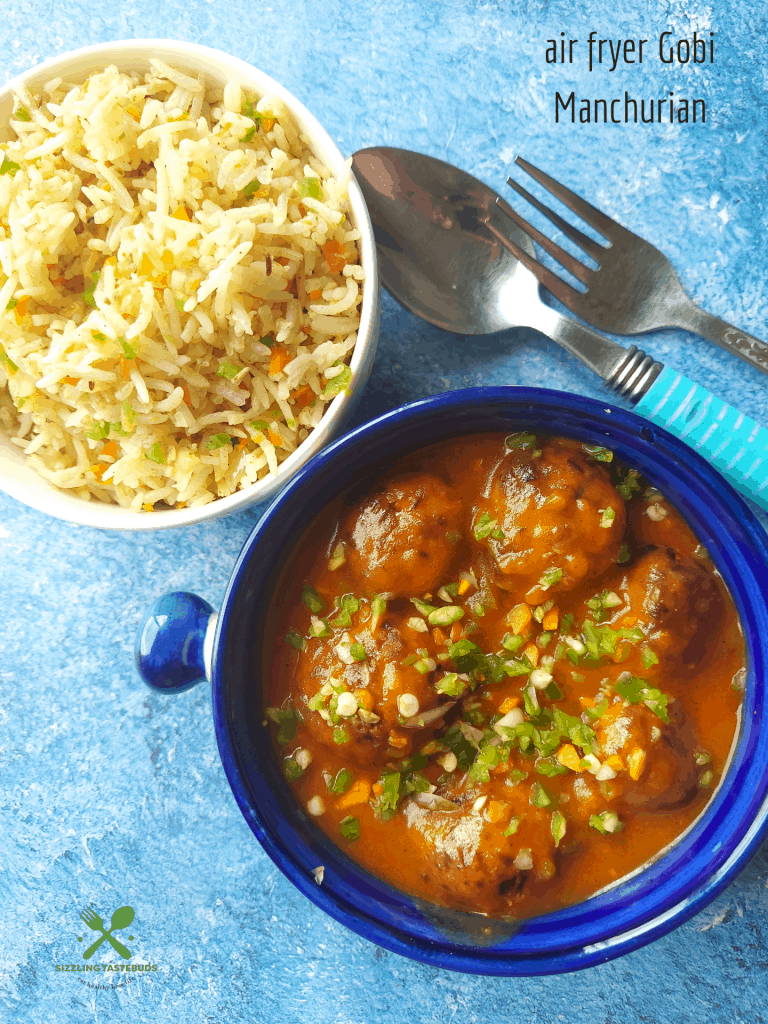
x=438, y=258
x=437, y=233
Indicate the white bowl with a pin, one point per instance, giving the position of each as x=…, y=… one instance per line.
x=17, y=478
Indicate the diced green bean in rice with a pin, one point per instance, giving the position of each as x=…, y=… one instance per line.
x=168, y=276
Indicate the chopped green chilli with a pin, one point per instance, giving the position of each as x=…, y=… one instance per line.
x=512, y=827
x=550, y=578
x=557, y=827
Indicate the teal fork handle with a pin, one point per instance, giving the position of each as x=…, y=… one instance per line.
x=727, y=439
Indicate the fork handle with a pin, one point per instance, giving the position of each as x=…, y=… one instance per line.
x=732, y=442
x=743, y=345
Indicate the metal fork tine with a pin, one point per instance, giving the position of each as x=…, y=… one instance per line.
x=559, y=288
x=569, y=262
x=607, y=227
x=592, y=248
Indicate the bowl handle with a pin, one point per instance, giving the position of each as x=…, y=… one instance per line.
x=175, y=643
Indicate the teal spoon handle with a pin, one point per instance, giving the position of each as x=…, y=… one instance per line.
x=727, y=439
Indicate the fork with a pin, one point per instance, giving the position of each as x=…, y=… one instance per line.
x=731, y=441
x=95, y=923
x=634, y=288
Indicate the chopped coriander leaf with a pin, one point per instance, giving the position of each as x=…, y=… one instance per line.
x=341, y=382
x=520, y=441
x=350, y=828
x=636, y=691
x=624, y=554
x=543, y=639
x=312, y=599
x=607, y=518
x=557, y=827
x=466, y=656
x=12, y=304
x=252, y=187
x=285, y=717
x=341, y=783
x=512, y=827
x=386, y=803
x=316, y=703
x=8, y=166
x=250, y=133
x=268, y=340
x=487, y=758
x=295, y=640
x=553, y=691
x=518, y=667
x=566, y=622
x=228, y=370
x=600, y=454
x=516, y=776
x=21, y=114
x=550, y=577
x=451, y=685
x=217, y=441
x=340, y=735
x=453, y=536
x=629, y=485
x=540, y=797
x=292, y=769
x=357, y=651
x=155, y=454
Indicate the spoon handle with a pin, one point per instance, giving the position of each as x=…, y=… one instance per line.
x=728, y=439
x=628, y=372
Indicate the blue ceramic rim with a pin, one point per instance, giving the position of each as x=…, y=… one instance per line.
x=679, y=888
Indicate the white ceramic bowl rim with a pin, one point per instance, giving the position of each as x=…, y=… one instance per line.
x=18, y=479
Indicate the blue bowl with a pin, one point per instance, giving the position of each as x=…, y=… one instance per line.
x=636, y=910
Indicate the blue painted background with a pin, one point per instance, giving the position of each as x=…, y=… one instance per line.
x=112, y=795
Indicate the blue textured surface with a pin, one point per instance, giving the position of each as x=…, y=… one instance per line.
x=112, y=795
